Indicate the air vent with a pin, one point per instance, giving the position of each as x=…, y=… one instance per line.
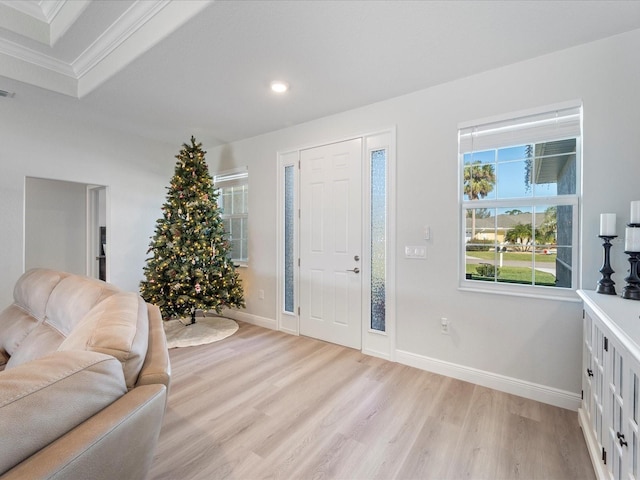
x=4, y=93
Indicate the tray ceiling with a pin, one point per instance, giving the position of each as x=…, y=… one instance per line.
x=170, y=68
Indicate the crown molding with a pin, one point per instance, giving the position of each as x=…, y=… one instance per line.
x=28, y=25
x=63, y=15
x=50, y=8
x=32, y=8
x=139, y=28
x=118, y=32
x=36, y=58
x=126, y=40
x=45, y=21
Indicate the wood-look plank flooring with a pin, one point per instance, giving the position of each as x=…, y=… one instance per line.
x=262, y=404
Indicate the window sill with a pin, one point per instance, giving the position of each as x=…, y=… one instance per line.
x=542, y=293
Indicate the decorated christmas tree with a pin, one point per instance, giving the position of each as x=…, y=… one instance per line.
x=190, y=269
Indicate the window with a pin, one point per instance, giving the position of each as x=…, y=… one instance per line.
x=289, y=238
x=519, y=202
x=378, y=225
x=233, y=201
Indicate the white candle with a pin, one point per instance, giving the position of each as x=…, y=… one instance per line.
x=607, y=224
x=632, y=239
x=635, y=211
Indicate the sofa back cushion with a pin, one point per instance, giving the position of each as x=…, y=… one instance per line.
x=72, y=299
x=44, y=400
x=30, y=297
x=117, y=326
x=60, y=311
x=68, y=303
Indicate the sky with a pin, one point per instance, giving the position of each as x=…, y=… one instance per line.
x=509, y=165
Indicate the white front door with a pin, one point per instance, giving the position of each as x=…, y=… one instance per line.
x=331, y=243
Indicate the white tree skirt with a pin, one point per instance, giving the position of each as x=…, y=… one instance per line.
x=205, y=330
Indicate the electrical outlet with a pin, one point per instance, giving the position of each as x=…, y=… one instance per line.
x=261, y=294
x=444, y=326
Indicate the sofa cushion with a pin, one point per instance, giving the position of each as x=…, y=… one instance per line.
x=72, y=299
x=41, y=341
x=117, y=326
x=45, y=399
x=31, y=295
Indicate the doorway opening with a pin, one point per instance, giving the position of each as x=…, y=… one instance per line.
x=66, y=227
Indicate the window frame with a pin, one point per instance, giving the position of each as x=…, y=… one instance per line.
x=234, y=178
x=574, y=200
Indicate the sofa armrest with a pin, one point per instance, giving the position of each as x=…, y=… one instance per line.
x=46, y=398
x=117, y=442
x=156, y=367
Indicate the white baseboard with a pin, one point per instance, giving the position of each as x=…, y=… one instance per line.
x=289, y=331
x=251, y=318
x=375, y=353
x=522, y=388
x=533, y=391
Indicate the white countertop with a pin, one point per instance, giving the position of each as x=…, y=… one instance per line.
x=620, y=315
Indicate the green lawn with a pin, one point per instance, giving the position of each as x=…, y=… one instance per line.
x=520, y=256
x=516, y=275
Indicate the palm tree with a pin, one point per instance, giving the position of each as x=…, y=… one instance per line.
x=546, y=232
x=520, y=234
x=479, y=181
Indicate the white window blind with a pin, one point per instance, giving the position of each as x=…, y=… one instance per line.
x=531, y=128
x=231, y=178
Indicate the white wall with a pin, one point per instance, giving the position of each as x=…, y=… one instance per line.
x=536, y=341
x=532, y=340
x=42, y=135
x=55, y=225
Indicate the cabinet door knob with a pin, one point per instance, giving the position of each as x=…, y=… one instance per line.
x=589, y=372
x=623, y=442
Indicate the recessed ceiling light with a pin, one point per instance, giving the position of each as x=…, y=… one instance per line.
x=279, y=86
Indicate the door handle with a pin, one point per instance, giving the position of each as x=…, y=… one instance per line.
x=354, y=270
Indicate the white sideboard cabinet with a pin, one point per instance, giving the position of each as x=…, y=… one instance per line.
x=610, y=410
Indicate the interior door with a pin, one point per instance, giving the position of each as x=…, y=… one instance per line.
x=331, y=243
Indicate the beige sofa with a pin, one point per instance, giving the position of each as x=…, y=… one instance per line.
x=85, y=380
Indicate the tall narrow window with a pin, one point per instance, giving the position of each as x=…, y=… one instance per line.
x=378, y=237
x=520, y=197
x=289, y=252
x=233, y=201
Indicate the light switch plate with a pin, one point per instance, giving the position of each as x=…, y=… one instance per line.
x=418, y=251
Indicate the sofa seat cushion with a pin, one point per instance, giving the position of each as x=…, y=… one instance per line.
x=117, y=326
x=47, y=398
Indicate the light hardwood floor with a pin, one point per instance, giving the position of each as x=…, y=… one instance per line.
x=264, y=405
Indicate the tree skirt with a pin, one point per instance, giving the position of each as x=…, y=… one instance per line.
x=205, y=330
